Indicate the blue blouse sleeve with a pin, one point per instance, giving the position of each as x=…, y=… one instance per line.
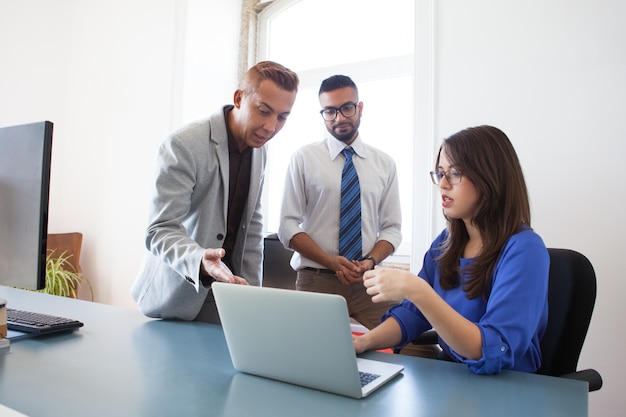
x=516, y=311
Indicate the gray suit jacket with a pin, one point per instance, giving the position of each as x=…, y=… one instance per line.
x=188, y=214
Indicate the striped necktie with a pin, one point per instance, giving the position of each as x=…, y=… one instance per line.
x=350, y=245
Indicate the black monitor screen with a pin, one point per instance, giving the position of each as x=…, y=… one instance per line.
x=25, y=153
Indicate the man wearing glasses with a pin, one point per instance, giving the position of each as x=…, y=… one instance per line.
x=312, y=217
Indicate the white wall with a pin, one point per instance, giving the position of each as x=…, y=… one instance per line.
x=552, y=75
x=109, y=75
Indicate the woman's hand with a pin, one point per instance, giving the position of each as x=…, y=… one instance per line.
x=386, y=284
x=383, y=336
x=359, y=344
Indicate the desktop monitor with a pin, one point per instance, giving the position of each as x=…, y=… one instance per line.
x=25, y=154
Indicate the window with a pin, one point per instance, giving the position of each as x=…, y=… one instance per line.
x=371, y=41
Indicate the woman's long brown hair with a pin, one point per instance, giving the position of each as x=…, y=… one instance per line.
x=485, y=156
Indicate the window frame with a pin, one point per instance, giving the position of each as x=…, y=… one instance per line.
x=422, y=72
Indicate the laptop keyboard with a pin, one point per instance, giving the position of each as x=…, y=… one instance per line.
x=367, y=377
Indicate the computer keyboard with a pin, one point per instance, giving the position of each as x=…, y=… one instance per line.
x=367, y=377
x=39, y=323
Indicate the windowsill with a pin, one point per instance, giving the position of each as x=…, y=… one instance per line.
x=393, y=265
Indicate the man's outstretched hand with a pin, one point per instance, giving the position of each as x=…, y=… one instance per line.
x=213, y=266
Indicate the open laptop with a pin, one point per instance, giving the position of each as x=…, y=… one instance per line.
x=298, y=337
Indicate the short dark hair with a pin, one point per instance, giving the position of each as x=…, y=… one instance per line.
x=283, y=77
x=336, y=82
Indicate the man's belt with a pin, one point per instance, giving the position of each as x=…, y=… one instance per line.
x=319, y=271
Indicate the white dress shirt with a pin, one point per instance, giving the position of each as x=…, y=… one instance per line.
x=313, y=193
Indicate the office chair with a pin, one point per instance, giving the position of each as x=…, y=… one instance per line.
x=277, y=272
x=68, y=244
x=571, y=298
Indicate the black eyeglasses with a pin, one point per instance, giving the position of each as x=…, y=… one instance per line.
x=347, y=110
x=453, y=176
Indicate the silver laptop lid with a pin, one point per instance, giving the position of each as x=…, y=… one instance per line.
x=298, y=337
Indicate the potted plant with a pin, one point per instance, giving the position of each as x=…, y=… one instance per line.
x=61, y=277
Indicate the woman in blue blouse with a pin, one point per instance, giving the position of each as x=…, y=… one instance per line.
x=484, y=280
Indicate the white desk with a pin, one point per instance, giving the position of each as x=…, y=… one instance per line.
x=123, y=364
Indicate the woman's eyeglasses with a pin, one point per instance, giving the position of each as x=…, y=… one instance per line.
x=453, y=176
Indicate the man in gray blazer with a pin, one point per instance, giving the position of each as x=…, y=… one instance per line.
x=205, y=221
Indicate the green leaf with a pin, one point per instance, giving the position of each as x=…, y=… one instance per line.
x=61, y=277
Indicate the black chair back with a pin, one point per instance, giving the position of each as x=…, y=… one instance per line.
x=571, y=298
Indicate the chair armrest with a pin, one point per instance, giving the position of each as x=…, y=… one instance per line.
x=592, y=377
x=429, y=337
